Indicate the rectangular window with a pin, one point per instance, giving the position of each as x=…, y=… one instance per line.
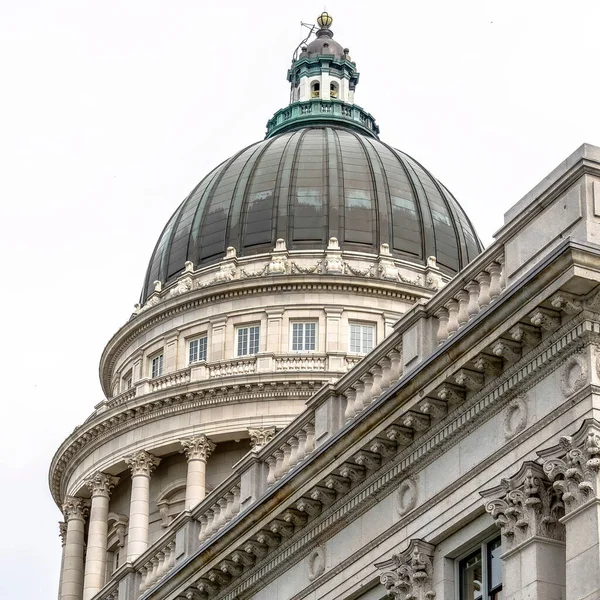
x=247, y=340
x=480, y=573
x=157, y=366
x=197, y=349
x=304, y=337
x=361, y=338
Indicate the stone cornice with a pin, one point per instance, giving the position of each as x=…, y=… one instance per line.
x=86, y=438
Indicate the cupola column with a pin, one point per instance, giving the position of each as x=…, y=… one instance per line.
x=75, y=511
x=141, y=464
x=100, y=485
x=197, y=449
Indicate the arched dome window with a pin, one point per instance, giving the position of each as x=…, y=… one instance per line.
x=333, y=90
x=315, y=90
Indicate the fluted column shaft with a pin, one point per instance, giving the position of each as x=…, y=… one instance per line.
x=197, y=450
x=95, y=559
x=141, y=464
x=74, y=510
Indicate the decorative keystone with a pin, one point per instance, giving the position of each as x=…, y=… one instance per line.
x=409, y=574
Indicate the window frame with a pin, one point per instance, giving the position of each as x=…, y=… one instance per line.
x=158, y=356
x=127, y=381
x=197, y=338
x=304, y=323
x=362, y=324
x=248, y=327
x=483, y=547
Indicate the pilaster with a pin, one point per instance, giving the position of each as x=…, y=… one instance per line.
x=573, y=466
x=527, y=509
x=409, y=574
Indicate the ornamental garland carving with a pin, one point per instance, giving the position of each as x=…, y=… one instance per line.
x=515, y=417
x=573, y=465
x=409, y=575
x=261, y=437
x=142, y=463
x=101, y=484
x=406, y=496
x=526, y=505
x=574, y=374
x=317, y=561
x=198, y=447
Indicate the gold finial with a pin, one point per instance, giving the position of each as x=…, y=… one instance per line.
x=324, y=20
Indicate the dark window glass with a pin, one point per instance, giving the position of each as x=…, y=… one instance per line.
x=481, y=573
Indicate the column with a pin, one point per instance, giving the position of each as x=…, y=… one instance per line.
x=100, y=485
x=409, y=574
x=62, y=532
x=528, y=509
x=75, y=511
x=197, y=449
x=573, y=466
x=141, y=464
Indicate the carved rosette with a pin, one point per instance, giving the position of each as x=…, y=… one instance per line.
x=75, y=508
x=573, y=465
x=101, y=484
x=515, y=417
x=198, y=447
x=525, y=506
x=261, y=437
x=142, y=463
x=409, y=575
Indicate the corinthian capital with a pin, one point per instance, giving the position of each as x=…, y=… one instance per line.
x=142, y=463
x=409, y=575
x=101, y=484
x=526, y=505
x=198, y=447
x=262, y=436
x=62, y=532
x=573, y=465
x=75, y=508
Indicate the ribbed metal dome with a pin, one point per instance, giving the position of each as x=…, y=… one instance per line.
x=306, y=186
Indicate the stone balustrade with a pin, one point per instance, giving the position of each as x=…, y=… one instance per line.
x=285, y=456
x=461, y=301
x=300, y=363
x=123, y=398
x=110, y=594
x=219, y=509
x=158, y=565
x=371, y=383
x=182, y=377
x=229, y=368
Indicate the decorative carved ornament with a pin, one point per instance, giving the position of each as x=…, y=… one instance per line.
x=75, y=508
x=142, y=463
x=574, y=374
x=261, y=437
x=409, y=575
x=573, y=465
x=515, y=417
x=317, y=561
x=101, y=484
x=406, y=496
x=526, y=505
x=198, y=447
x=62, y=532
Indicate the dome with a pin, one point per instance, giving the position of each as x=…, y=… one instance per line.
x=306, y=186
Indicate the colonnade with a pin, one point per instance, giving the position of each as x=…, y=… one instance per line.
x=83, y=570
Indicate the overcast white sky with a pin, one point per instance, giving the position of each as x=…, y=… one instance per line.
x=112, y=111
